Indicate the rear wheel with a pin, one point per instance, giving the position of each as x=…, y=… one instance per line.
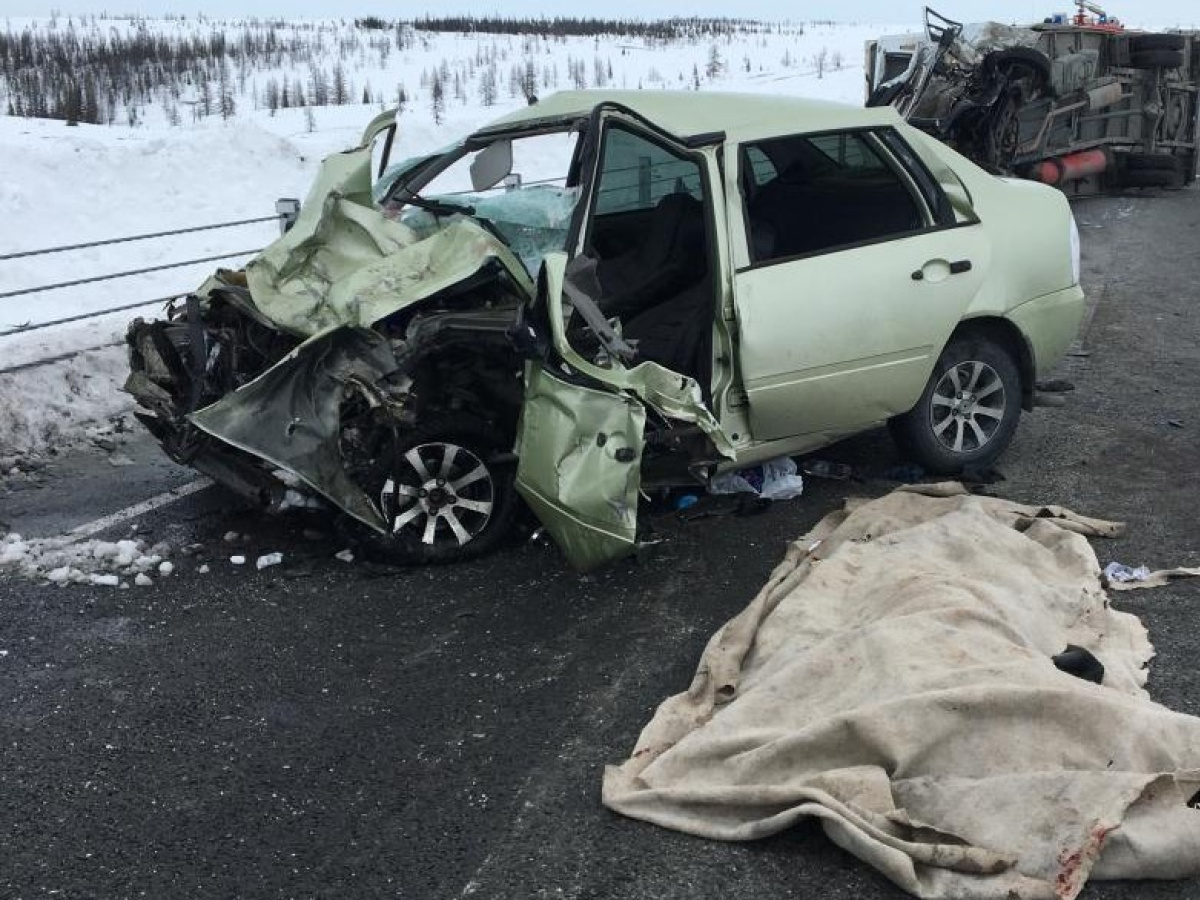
x=969, y=410
x=1142, y=43
x=1151, y=170
x=1157, y=59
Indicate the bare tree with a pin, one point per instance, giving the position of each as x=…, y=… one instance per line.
x=437, y=98
x=487, y=85
x=715, y=64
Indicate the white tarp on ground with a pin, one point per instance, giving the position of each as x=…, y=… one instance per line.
x=894, y=679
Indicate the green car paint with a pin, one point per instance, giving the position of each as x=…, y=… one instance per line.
x=805, y=351
x=579, y=450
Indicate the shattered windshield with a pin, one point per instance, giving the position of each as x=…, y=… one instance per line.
x=530, y=208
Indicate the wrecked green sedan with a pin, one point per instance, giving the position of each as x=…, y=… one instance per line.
x=607, y=292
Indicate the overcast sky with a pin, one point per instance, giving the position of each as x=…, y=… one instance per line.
x=1138, y=12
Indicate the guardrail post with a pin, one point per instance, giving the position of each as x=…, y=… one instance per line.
x=288, y=210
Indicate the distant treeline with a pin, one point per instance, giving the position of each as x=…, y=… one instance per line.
x=570, y=26
x=101, y=71
x=89, y=73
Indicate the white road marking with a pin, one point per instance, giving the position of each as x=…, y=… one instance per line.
x=138, y=509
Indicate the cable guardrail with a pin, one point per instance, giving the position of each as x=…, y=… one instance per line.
x=286, y=212
x=138, y=237
x=144, y=271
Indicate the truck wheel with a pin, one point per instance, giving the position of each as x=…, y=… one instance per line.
x=1157, y=59
x=1142, y=170
x=1142, y=43
x=447, y=494
x=1143, y=161
x=969, y=410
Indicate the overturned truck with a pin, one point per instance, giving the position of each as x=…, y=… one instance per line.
x=1077, y=102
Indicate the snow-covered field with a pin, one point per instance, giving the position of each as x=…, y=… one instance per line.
x=63, y=184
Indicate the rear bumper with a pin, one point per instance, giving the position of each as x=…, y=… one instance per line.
x=1050, y=325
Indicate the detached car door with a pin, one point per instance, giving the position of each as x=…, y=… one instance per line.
x=853, y=270
x=580, y=442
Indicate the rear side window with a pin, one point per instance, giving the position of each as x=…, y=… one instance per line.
x=829, y=191
x=636, y=173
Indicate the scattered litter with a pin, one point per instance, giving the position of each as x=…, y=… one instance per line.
x=1119, y=573
x=744, y=504
x=346, y=556
x=267, y=560
x=238, y=560
x=821, y=468
x=775, y=479
x=908, y=473
x=311, y=534
x=166, y=568
x=203, y=570
x=1081, y=663
x=981, y=475
x=1175, y=423
x=120, y=460
x=1056, y=386
x=143, y=580
x=686, y=501
x=230, y=537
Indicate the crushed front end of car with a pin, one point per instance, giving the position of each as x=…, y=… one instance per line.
x=395, y=356
x=306, y=376
x=1076, y=102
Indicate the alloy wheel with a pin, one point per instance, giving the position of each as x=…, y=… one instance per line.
x=967, y=406
x=440, y=493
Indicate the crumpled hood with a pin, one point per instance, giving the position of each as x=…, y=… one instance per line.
x=345, y=263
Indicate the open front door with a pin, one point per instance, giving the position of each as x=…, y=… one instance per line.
x=580, y=451
x=634, y=273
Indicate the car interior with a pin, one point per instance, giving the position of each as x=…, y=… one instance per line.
x=804, y=195
x=649, y=240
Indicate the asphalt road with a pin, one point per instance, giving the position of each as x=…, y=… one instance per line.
x=325, y=730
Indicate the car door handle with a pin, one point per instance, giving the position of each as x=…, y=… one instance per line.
x=956, y=268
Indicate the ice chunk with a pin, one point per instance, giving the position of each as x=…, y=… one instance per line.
x=346, y=556
x=127, y=552
x=106, y=580
x=166, y=568
x=238, y=560
x=268, y=559
x=14, y=552
x=143, y=580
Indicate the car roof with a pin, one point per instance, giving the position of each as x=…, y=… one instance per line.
x=689, y=113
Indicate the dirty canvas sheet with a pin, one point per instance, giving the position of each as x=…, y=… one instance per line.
x=894, y=680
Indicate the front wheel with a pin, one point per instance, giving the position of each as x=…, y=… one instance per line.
x=446, y=493
x=969, y=410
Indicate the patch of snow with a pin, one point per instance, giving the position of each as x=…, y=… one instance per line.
x=267, y=560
